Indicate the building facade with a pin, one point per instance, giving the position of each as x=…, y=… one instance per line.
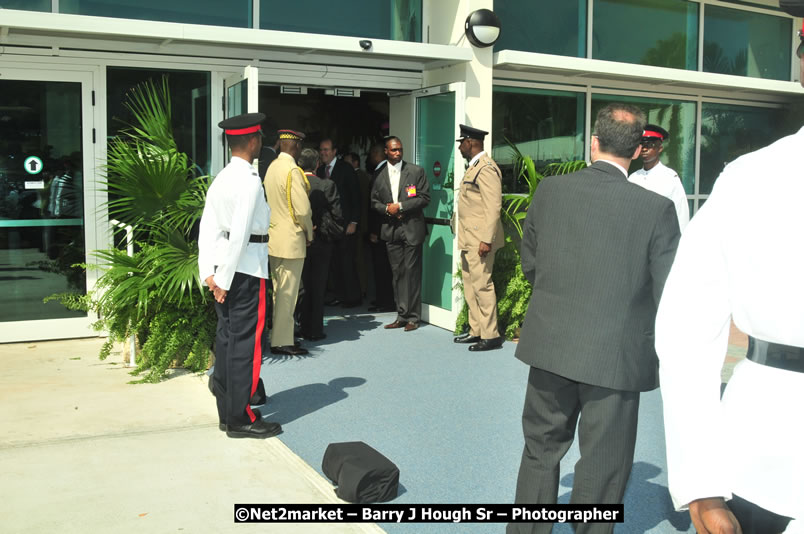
x=721, y=76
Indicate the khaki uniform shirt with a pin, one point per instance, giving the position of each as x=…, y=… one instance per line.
x=291, y=217
x=479, y=204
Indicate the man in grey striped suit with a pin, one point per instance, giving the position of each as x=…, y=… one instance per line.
x=597, y=250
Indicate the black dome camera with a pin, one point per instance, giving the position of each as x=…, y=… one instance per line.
x=365, y=44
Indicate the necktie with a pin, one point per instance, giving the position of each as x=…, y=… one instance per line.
x=327, y=172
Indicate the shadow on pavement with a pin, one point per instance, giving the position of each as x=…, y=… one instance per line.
x=292, y=404
x=649, y=502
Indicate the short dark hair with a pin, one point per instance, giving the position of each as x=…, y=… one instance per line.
x=308, y=159
x=238, y=142
x=391, y=138
x=617, y=134
x=331, y=142
x=354, y=156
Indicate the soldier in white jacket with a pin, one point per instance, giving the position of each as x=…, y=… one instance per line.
x=739, y=459
x=655, y=176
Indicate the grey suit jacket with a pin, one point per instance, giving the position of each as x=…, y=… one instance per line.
x=597, y=251
x=414, y=195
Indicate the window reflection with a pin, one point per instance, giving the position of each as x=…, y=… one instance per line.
x=663, y=33
x=235, y=13
x=746, y=43
x=728, y=132
x=565, y=35
x=399, y=20
x=546, y=125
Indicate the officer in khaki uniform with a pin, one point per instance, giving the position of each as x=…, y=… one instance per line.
x=290, y=232
x=480, y=234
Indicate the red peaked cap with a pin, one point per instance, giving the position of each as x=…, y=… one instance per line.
x=656, y=132
x=246, y=123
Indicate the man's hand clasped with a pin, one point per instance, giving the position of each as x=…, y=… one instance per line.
x=483, y=249
x=217, y=292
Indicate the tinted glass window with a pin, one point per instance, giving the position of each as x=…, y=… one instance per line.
x=400, y=20
x=548, y=126
x=728, y=132
x=663, y=33
x=746, y=43
x=565, y=34
x=230, y=13
x=28, y=5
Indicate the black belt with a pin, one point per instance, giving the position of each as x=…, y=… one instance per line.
x=254, y=238
x=776, y=355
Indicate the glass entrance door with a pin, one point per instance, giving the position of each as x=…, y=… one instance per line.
x=438, y=111
x=42, y=204
x=240, y=95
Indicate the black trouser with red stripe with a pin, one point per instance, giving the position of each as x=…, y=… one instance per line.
x=238, y=348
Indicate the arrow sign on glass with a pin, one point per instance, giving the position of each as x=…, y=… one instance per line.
x=33, y=165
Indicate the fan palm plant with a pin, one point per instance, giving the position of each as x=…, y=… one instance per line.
x=155, y=294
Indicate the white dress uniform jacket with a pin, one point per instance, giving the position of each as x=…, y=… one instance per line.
x=235, y=204
x=665, y=181
x=741, y=258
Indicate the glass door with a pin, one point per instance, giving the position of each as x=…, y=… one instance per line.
x=438, y=111
x=44, y=164
x=240, y=95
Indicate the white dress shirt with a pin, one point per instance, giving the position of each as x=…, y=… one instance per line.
x=235, y=204
x=665, y=181
x=477, y=157
x=740, y=258
x=394, y=173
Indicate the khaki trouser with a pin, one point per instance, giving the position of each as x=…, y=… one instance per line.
x=286, y=276
x=478, y=290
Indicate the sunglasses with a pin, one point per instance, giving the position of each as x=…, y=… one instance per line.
x=650, y=142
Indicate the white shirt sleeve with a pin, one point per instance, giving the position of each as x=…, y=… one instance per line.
x=692, y=329
x=679, y=198
x=207, y=237
x=239, y=233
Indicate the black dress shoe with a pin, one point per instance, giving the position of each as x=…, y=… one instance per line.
x=257, y=414
x=289, y=350
x=486, y=344
x=257, y=429
x=332, y=302
x=466, y=338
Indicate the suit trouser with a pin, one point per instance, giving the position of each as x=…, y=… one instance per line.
x=383, y=277
x=314, y=279
x=478, y=290
x=286, y=276
x=606, y=438
x=406, y=267
x=344, y=258
x=238, y=348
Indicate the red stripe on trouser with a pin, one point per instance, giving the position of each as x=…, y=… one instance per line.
x=257, y=360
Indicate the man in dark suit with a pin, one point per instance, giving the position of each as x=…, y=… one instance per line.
x=401, y=192
x=324, y=204
x=383, y=278
x=597, y=251
x=345, y=269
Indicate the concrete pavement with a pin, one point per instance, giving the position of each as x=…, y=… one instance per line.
x=84, y=451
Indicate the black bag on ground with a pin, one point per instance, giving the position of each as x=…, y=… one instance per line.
x=362, y=474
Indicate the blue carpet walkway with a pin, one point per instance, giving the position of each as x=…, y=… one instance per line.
x=450, y=419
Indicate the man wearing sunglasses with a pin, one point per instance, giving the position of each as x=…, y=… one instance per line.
x=655, y=176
